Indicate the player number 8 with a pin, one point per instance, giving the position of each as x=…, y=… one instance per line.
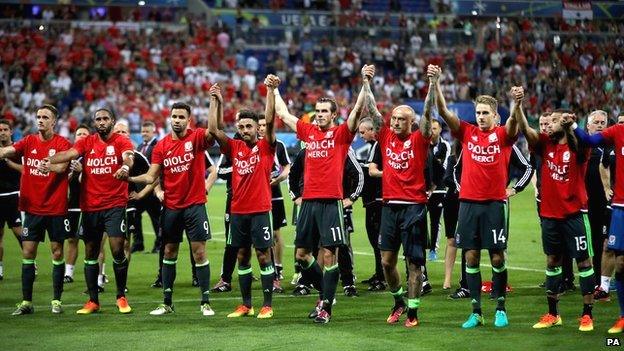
x=67, y=226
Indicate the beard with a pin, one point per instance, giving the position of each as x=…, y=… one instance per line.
x=556, y=136
x=104, y=132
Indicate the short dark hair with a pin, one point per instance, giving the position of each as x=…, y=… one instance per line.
x=261, y=116
x=109, y=111
x=149, y=124
x=433, y=120
x=244, y=113
x=50, y=108
x=332, y=101
x=183, y=106
x=6, y=122
x=84, y=126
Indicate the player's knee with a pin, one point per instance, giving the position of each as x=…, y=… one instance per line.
x=414, y=263
x=301, y=255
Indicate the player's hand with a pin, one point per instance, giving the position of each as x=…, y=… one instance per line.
x=609, y=194
x=133, y=195
x=347, y=202
x=122, y=173
x=160, y=194
x=272, y=81
x=215, y=92
x=433, y=73
x=368, y=72
x=510, y=192
x=517, y=93
x=297, y=201
x=567, y=119
x=75, y=166
x=44, y=166
x=273, y=182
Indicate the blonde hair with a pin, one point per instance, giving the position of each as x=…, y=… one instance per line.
x=487, y=100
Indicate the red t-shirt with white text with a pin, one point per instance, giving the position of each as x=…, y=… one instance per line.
x=99, y=190
x=403, y=166
x=183, y=168
x=485, y=162
x=326, y=152
x=42, y=194
x=562, y=190
x=251, y=174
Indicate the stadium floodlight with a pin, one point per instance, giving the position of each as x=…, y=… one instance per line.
x=141, y=3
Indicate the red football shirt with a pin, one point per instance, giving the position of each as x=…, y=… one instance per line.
x=614, y=135
x=99, y=190
x=251, y=174
x=485, y=162
x=562, y=189
x=183, y=168
x=42, y=194
x=326, y=152
x=403, y=166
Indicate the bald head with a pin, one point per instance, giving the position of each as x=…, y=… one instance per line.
x=122, y=128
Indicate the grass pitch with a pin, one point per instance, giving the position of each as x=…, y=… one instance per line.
x=358, y=323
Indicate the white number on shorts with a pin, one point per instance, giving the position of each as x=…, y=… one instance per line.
x=336, y=233
x=500, y=236
x=123, y=226
x=267, y=233
x=67, y=226
x=581, y=243
x=206, y=226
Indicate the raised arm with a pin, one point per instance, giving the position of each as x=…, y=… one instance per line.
x=282, y=111
x=271, y=83
x=425, y=121
x=517, y=114
x=434, y=72
x=213, y=120
x=592, y=140
x=368, y=71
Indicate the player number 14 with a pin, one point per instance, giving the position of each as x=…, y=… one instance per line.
x=499, y=237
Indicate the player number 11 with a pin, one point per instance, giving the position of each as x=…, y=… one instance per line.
x=336, y=232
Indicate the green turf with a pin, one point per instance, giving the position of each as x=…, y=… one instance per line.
x=358, y=323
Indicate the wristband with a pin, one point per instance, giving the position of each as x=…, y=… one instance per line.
x=276, y=92
x=574, y=125
x=125, y=168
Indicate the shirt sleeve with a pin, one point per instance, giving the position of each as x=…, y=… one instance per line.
x=81, y=145
x=463, y=127
x=125, y=145
x=303, y=130
x=345, y=136
x=201, y=141
x=208, y=159
x=608, y=134
x=228, y=149
x=21, y=145
x=157, y=155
